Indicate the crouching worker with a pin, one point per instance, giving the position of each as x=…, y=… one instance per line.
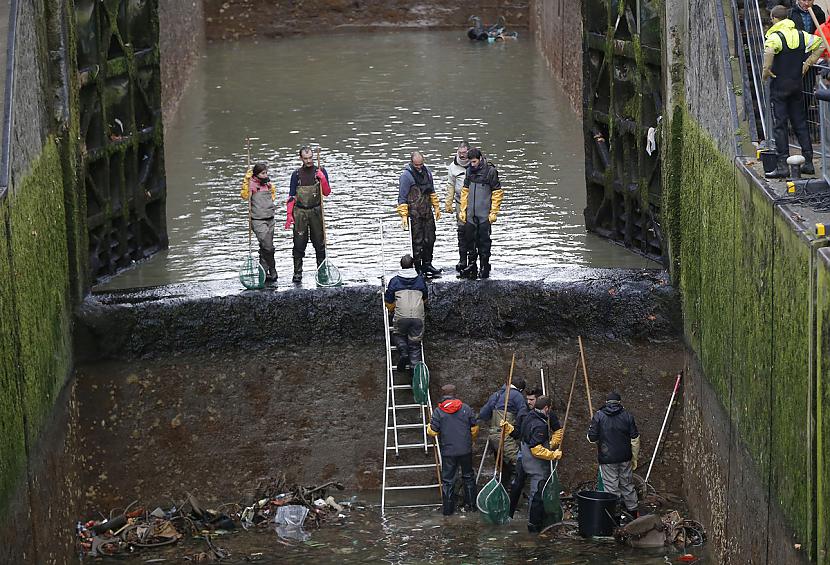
x=539, y=448
x=258, y=190
x=454, y=424
x=405, y=297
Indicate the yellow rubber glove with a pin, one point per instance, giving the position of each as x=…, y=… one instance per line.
x=495, y=205
x=246, y=191
x=508, y=427
x=556, y=438
x=635, y=451
x=431, y=432
x=403, y=212
x=474, y=432
x=541, y=452
x=436, y=205
x=449, y=200
x=462, y=206
x=390, y=306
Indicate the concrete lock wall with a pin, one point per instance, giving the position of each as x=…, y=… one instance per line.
x=557, y=28
x=44, y=242
x=747, y=273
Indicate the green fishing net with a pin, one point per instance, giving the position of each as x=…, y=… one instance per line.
x=550, y=497
x=494, y=503
x=328, y=274
x=252, y=275
x=420, y=383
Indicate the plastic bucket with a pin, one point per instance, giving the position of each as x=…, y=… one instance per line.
x=769, y=160
x=595, y=513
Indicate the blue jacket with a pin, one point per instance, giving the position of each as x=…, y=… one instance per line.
x=516, y=404
x=406, y=294
x=453, y=421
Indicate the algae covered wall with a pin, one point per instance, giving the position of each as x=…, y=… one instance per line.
x=746, y=272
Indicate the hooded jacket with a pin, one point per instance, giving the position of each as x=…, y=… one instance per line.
x=456, y=173
x=406, y=294
x=516, y=404
x=612, y=429
x=536, y=432
x=454, y=424
x=482, y=192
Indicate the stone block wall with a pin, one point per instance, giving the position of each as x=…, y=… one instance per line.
x=181, y=38
x=556, y=26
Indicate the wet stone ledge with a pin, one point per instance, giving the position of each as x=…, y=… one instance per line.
x=608, y=304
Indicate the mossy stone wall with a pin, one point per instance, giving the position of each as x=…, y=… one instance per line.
x=747, y=274
x=823, y=406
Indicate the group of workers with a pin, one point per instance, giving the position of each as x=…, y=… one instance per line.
x=474, y=195
x=792, y=46
x=533, y=437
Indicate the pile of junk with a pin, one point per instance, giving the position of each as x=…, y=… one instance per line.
x=491, y=33
x=273, y=505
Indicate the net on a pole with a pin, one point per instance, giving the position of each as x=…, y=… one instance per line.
x=328, y=274
x=251, y=274
x=420, y=383
x=551, y=500
x=493, y=503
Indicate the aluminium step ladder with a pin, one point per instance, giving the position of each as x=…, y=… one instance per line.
x=415, y=462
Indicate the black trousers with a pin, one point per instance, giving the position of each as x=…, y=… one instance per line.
x=477, y=241
x=449, y=467
x=516, y=487
x=462, y=244
x=788, y=106
x=423, y=239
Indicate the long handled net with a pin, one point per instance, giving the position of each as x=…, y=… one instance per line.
x=327, y=274
x=251, y=273
x=552, y=489
x=493, y=501
x=420, y=383
x=600, y=484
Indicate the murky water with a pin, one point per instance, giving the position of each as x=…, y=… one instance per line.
x=420, y=536
x=369, y=100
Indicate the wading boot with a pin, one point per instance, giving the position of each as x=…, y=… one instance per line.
x=431, y=272
x=271, y=270
x=298, y=271
x=470, y=498
x=462, y=261
x=447, y=504
x=780, y=171
x=485, y=268
x=807, y=168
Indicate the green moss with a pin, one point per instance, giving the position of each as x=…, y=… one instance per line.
x=823, y=407
x=745, y=280
x=40, y=275
x=12, y=439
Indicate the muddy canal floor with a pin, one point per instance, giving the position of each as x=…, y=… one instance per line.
x=415, y=536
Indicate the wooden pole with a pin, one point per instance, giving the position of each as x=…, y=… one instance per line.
x=500, y=454
x=585, y=373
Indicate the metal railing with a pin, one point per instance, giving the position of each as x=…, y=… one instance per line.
x=8, y=101
x=754, y=28
x=811, y=104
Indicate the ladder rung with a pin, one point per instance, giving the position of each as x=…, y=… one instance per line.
x=413, y=506
x=398, y=387
x=409, y=487
x=406, y=426
x=399, y=467
x=402, y=406
x=410, y=446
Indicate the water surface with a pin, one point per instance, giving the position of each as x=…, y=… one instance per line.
x=369, y=100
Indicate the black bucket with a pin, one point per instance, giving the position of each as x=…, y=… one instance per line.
x=769, y=160
x=595, y=513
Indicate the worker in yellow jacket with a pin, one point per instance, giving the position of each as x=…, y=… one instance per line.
x=788, y=55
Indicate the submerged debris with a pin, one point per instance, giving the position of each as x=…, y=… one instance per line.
x=286, y=508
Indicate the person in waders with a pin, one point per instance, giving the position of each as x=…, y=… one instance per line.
x=308, y=186
x=479, y=206
x=492, y=414
x=788, y=55
x=261, y=192
x=454, y=424
x=416, y=202
x=615, y=434
x=405, y=297
x=520, y=477
x=539, y=447
x=456, y=173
